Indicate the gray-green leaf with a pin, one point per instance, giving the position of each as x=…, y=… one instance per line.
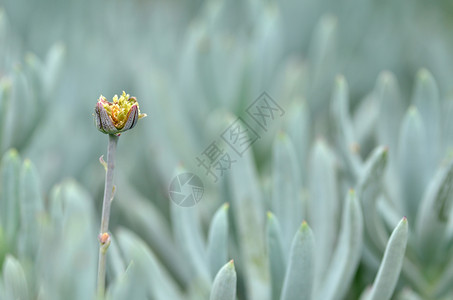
x=14, y=281
x=9, y=201
x=433, y=213
x=218, y=240
x=286, y=199
x=368, y=189
x=324, y=204
x=31, y=208
x=146, y=276
x=277, y=263
x=412, y=162
x=299, y=276
x=224, y=286
x=390, y=268
x=347, y=253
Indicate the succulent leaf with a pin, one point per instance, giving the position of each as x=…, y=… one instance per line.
x=14, y=280
x=146, y=276
x=412, y=162
x=388, y=274
x=9, y=200
x=277, y=257
x=224, y=286
x=217, y=248
x=347, y=253
x=324, y=204
x=286, y=201
x=298, y=283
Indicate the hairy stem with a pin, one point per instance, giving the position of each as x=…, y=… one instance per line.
x=104, y=238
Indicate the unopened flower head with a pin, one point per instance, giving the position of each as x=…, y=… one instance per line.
x=118, y=116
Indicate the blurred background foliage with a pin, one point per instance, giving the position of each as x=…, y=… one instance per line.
x=193, y=65
x=175, y=49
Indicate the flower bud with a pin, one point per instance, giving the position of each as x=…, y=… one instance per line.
x=118, y=116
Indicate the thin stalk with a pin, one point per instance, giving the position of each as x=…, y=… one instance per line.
x=104, y=238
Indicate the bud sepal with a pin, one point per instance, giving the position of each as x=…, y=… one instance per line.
x=118, y=116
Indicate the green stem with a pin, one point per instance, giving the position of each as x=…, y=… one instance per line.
x=108, y=197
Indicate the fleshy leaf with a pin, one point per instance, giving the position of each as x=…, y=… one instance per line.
x=322, y=55
x=66, y=237
x=224, y=286
x=346, y=138
x=298, y=129
x=426, y=100
x=246, y=203
x=368, y=190
x=298, y=283
x=218, y=240
x=389, y=271
x=187, y=232
x=277, y=263
x=31, y=208
x=147, y=278
x=286, y=189
x=433, y=214
x=9, y=203
x=391, y=110
x=412, y=162
x=347, y=253
x=5, y=92
x=15, y=283
x=324, y=204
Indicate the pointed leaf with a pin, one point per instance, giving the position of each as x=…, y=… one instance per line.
x=368, y=190
x=218, y=240
x=144, y=218
x=412, y=162
x=147, y=276
x=276, y=255
x=122, y=287
x=224, y=286
x=247, y=207
x=187, y=232
x=299, y=276
x=286, y=200
x=324, y=204
x=426, y=100
x=389, y=271
x=365, y=119
x=116, y=265
x=347, y=253
x=64, y=241
x=53, y=66
x=9, y=203
x=14, y=281
x=346, y=138
x=391, y=110
x=298, y=129
x=31, y=208
x=434, y=212
x=322, y=55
